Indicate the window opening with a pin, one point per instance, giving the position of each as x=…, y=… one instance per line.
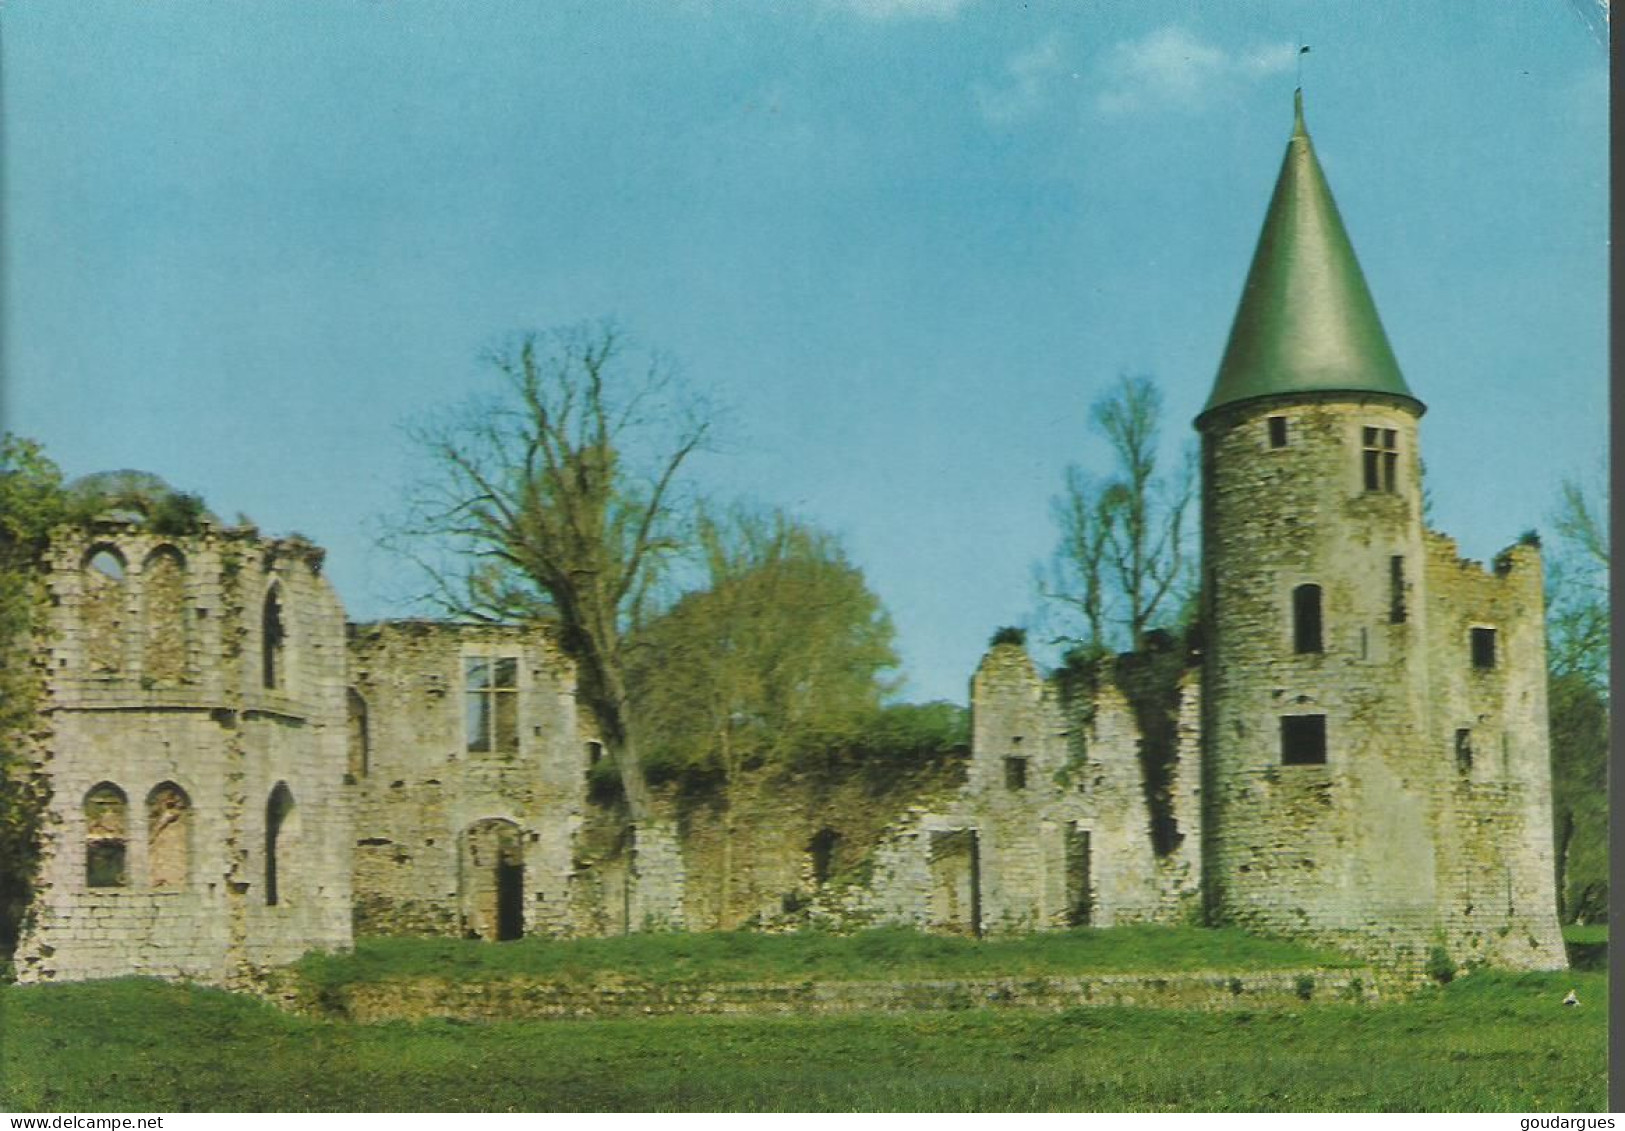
x=1303, y=740
x=1380, y=459
x=1277, y=431
x=1015, y=773
x=360, y=753
x=1483, y=648
x=103, y=611
x=821, y=851
x=492, y=695
x=595, y=753
x=278, y=809
x=107, y=822
x=271, y=639
x=1306, y=634
x=1396, y=590
x=1464, y=749
x=1079, y=885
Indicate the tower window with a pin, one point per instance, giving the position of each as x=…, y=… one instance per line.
x=1464, y=750
x=1306, y=635
x=1381, y=459
x=1396, y=590
x=1015, y=773
x=1483, y=641
x=1303, y=740
x=107, y=814
x=272, y=639
x=1277, y=425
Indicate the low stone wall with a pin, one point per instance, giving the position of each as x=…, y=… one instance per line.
x=534, y=999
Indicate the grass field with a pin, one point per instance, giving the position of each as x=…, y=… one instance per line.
x=1485, y=1042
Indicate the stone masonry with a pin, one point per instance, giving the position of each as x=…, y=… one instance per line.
x=1351, y=749
x=199, y=824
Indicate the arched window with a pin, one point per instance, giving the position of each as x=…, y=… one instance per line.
x=107, y=824
x=169, y=832
x=102, y=611
x=165, y=625
x=1306, y=635
x=279, y=830
x=271, y=639
x=357, y=734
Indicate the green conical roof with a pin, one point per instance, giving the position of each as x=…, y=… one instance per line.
x=1306, y=323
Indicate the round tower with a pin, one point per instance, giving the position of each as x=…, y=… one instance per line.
x=1317, y=819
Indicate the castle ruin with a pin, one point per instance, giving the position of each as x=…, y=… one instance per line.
x=1357, y=753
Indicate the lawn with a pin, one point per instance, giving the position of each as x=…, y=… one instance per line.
x=1492, y=1042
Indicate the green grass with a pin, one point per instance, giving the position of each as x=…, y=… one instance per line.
x=1485, y=1042
x=1585, y=933
x=744, y=956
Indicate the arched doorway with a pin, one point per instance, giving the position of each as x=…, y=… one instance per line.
x=491, y=880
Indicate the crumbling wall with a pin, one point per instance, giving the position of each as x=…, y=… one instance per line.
x=465, y=725
x=183, y=730
x=1490, y=744
x=1052, y=827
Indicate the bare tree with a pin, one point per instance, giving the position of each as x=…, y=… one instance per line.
x=1123, y=565
x=558, y=501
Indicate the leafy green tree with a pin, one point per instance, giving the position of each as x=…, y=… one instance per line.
x=1577, y=624
x=784, y=650
x=1124, y=565
x=559, y=500
x=33, y=502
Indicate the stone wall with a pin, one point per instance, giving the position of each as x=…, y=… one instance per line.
x=1490, y=740
x=200, y=822
x=1374, y=841
x=1052, y=827
x=472, y=783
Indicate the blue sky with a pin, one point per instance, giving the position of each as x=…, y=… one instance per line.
x=905, y=242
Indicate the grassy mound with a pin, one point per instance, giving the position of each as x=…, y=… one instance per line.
x=742, y=956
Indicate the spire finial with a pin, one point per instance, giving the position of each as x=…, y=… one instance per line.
x=1298, y=128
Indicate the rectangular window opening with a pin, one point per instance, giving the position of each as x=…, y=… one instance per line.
x=1380, y=459
x=491, y=696
x=1483, y=640
x=1396, y=590
x=1015, y=773
x=1303, y=740
x=1464, y=750
x=1277, y=431
x=1306, y=633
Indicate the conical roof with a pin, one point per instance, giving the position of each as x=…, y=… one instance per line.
x=1306, y=323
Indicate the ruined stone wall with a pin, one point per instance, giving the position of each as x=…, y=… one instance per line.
x=1340, y=850
x=472, y=782
x=167, y=749
x=1052, y=826
x=1490, y=742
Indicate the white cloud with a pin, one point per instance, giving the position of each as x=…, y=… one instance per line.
x=1171, y=67
x=1025, y=85
x=902, y=9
